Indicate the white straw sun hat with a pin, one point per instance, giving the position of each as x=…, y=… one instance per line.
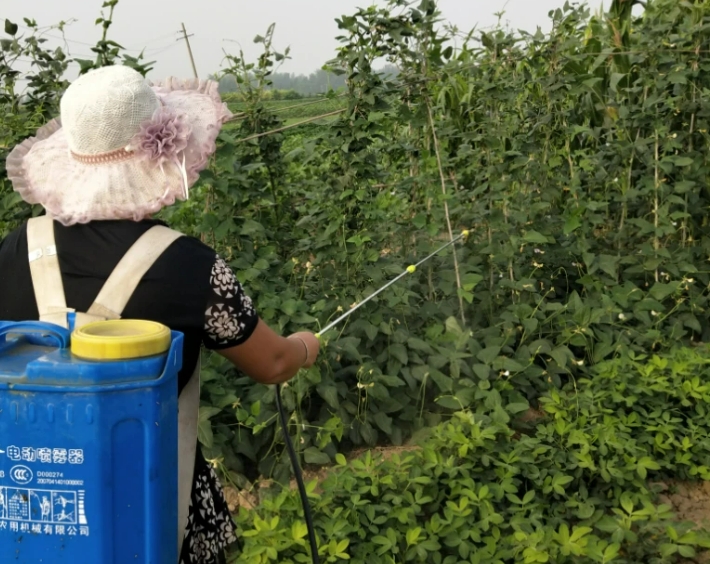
x=123, y=149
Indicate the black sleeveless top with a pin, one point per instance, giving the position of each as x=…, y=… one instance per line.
x=189, y=289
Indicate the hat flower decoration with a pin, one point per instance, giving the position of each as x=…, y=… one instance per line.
x=163, y=139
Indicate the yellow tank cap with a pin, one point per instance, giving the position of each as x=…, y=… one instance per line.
x=120, y=339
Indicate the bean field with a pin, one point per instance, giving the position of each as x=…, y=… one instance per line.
x=536, y=393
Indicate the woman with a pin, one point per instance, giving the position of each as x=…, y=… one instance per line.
x=124, y=150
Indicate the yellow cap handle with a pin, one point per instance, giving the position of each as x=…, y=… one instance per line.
x=121, y=339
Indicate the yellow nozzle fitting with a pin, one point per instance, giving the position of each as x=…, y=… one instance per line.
x=318, y=336
x=412, y=268
x=465, y=233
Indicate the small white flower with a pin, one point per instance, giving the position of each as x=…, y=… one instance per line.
x=654, y=313
x=622, y=317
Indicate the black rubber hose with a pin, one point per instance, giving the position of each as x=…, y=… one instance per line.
x=299, y=478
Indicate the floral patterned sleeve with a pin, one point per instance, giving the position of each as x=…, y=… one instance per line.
x=230, y=316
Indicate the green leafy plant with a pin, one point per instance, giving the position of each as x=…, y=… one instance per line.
x=575, y=158
x=108, y=52
x=576, y=487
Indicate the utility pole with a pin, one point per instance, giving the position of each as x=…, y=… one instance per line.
x=189, y=50
x=203, y=236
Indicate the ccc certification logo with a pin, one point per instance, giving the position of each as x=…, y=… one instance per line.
x=21, y=475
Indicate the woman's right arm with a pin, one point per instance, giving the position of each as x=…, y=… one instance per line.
x=234, y=330
x=268, y=358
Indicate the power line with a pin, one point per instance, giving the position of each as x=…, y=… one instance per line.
x=158, y=51
x=21, y=60
x=67, y=40
x=154, y=40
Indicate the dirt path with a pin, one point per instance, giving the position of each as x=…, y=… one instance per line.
x=690, y=501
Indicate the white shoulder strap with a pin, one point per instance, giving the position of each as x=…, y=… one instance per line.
x=188, y=414
x=44, y=268
x=123, y=281
x=118, y=289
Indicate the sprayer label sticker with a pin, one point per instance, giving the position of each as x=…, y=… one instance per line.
x=45, y=455
x=47, y=512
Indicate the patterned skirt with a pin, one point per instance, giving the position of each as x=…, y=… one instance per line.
x=210, y=529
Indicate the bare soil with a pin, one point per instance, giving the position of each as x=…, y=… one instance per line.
x=248, y=499
x=690, y=501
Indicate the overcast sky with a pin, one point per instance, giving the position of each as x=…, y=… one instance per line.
x=307, y=26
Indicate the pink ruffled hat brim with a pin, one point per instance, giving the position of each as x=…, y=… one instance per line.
x=43, y=170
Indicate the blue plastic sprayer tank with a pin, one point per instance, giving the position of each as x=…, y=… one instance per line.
x=88, y=452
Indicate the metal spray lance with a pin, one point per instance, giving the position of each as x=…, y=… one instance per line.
x=411, y=269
